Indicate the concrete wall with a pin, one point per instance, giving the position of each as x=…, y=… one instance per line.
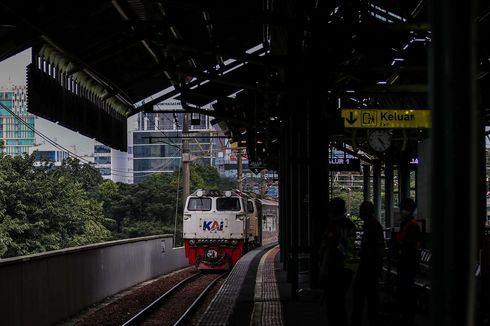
x=46, y=288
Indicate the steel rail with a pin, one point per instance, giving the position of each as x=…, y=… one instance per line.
x=152, y=306
x=196, y=302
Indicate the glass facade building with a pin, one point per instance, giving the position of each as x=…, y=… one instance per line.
x=156, y=144
x=16, y=124
x=113, y=164
x=102, y=160
x=50, y=156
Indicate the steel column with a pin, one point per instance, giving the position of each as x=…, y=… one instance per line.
x=366, y=184
x=389, y=194
x=457, y=171
x=377, y=189
x=403, y=178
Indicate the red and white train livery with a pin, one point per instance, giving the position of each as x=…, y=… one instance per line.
x=219, y=226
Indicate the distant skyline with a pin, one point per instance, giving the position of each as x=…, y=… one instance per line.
x=13, y=72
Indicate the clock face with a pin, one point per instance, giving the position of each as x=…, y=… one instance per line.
x=379, y=140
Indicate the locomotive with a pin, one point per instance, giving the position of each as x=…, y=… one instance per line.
x=219, y=227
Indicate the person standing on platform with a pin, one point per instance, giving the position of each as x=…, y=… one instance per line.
x=369, y=270
x=408, y=241
x=336, y=268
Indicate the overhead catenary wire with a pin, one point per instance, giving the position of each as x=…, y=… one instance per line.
x=114, y=172
x=52, y=142
x=163, y=133
x=15, y=115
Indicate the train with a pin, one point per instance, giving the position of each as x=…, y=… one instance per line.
x=220, y=226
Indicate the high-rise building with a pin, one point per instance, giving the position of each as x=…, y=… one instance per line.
x=113, y=164
x=49, y=153
x=102, y=159
x=16, y=124
x=156, y=142
x=55, y=154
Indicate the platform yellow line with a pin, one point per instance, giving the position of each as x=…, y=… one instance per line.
x=267, y=304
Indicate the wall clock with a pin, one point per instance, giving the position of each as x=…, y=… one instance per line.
x=379, y=140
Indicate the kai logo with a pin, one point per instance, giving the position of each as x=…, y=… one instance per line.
x=212, y=226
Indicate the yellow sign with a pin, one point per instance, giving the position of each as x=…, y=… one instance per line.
x=386, y=118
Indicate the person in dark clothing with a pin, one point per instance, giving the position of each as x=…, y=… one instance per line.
x=369, y=270
x=337, y=252
x=408, y=240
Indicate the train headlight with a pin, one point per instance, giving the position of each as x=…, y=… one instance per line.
x=234, y=242
x=240, y=217
x=192, y=242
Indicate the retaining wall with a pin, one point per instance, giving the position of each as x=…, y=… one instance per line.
x=47, y=288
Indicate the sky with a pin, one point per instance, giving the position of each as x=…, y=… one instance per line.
x=13, y=71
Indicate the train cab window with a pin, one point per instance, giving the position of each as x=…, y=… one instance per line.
x=199, y=204
x=250, y=207
x=228, y=204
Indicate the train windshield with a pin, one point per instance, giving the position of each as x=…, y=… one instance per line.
x=199, y=204
x=228, y=204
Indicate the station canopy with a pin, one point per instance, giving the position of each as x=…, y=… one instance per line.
x=95, y=63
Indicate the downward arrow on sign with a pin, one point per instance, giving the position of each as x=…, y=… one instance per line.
x=351, y=119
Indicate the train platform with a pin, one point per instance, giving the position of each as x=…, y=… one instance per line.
x=257, y=293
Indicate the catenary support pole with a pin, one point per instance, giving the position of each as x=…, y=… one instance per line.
x=186, y=158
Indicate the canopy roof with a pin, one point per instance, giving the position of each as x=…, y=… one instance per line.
x=98, y=62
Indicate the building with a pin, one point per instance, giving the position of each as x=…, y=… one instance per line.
x=102, y=160
x=113, y=164
x=49, y=153
x=16, y=124
x=17, y=137
x=156, y=142
x=227, y=163
x=55, y=154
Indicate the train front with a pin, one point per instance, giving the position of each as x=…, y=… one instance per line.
x=214, y=229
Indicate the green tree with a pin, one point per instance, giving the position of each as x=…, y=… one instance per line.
x=160, y=190
x=114, y=204
x=153, y=206
x=85, y=174
x=228, y=183
x=204, y=176
x=45, y=209
x=207, y=177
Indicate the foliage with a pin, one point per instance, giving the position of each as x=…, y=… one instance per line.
x=353, y=200
x=113, y=204
x=207, y=177
x=85, y=174
x=153, y=205
x=228, y=183
x=358, y=222
x=45, y=209
x=154, y=199
x=141, y=209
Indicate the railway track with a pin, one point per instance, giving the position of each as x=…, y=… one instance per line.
x=177, y=305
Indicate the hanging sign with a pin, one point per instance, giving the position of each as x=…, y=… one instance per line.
x=344, y=164
x=386, y=118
